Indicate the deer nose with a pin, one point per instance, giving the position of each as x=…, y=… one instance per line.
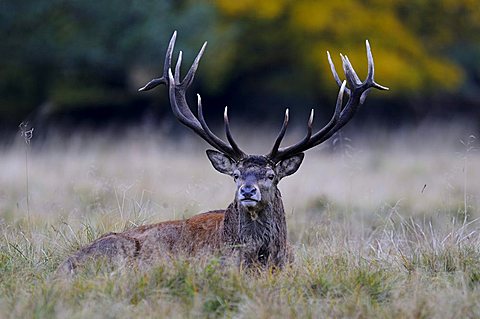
x=248, y=191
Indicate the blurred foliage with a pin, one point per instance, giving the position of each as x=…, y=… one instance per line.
x=411, y=40
x=59, y=55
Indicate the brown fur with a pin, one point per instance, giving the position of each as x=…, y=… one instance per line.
x=256, y=234
x=202, y=232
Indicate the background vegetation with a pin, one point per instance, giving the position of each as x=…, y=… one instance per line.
x=385, y=226
x=82, y=61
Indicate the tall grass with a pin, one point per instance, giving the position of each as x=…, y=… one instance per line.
x=386, y=227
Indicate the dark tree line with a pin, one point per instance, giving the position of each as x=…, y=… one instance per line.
x=82, y=61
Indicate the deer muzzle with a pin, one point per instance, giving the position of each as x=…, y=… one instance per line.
x=249, y=195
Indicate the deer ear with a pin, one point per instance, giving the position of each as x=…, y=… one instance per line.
x=221, y=162
x=289, y=165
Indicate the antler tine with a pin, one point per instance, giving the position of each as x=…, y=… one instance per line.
x=280, y=136
x=168, y=61
x=371, y=67
x=350, y=74
x=187, y=81
x=348, y=67
x=177, y=68
x=178, y=102
x=182, y=108
x=180, y=89
x=230, y=139
x=336, y=114
x=370, y=76
x=334, y=72
x=189, y=121
x=199, y=126
x=305, y=142
x=219, y=144
x=357, y=92
x=339, y=104
x=319, y=137
x=309, y=128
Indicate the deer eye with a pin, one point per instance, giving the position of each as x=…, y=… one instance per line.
x=236, y=176
x=271, y=176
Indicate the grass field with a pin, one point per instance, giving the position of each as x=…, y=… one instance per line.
x=384, y=225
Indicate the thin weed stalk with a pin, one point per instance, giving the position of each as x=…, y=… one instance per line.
x=469, y=147
x=27, y=135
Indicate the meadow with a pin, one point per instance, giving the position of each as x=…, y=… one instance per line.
x=383, y=224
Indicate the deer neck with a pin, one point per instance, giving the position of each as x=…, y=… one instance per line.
x=265, y=229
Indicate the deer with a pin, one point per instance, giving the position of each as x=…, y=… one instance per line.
x=253, y=226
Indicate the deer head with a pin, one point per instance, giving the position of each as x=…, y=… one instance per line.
x=257, y=176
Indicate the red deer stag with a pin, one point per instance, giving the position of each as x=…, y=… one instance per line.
x=254, y=224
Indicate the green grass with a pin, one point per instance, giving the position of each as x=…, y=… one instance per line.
x=353, y=279
x=370, y=241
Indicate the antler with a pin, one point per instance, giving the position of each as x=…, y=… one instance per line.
x=180, y=108
x=357, y=92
